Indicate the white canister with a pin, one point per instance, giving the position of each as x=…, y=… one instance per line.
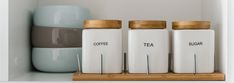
x=102, y=46
x=193, y=47
x=148, y=46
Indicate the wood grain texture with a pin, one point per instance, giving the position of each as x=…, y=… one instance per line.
x=151, y=77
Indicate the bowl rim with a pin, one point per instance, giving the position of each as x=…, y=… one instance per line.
x=59, y=6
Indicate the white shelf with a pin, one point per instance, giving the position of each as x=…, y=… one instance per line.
x=41, y=76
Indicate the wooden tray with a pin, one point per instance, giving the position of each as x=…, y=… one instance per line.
x=149, y=77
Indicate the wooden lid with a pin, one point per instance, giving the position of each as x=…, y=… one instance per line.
x=102, y=24
x=190, y=25
x=147, y=24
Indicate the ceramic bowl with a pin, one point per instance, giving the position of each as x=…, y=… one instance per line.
x=60, y=16
x=56, y=59
x=53, y=37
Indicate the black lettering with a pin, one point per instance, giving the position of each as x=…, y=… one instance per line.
x=148, y=44
x=100, y=43
x=195, y=43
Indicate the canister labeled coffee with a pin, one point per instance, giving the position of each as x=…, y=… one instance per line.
x=102, y=46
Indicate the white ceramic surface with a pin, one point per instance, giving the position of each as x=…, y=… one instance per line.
x=153, y=43
x=193, y=51
x=60, y=16
x=105, y=42
x=56, y=59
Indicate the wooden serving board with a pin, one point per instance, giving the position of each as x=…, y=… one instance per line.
x=149, y=77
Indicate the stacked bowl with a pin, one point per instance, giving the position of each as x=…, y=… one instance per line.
x=57, y=38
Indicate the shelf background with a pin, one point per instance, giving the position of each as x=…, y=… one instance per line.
x=211, y=10
x=20, y=12
x=20, y=20
x=136, y=10
x=230, y=74
x=4, y=40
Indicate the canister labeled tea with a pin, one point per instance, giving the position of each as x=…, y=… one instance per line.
x=193, y=47
x=102, y=46
x=148, y=46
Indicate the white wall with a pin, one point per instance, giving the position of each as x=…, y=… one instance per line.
x=216, y=12
x=3, y=40
x=230, y=42
x=20, y=12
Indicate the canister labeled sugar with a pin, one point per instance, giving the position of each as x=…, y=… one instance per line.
x=193, y=47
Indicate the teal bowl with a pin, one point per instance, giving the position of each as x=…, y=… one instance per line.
x=56, y=59
x=61, y=16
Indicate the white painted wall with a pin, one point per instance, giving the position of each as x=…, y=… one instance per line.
x=230, y=76
x=3, y=40
x=216, y=12
x=20, y=12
